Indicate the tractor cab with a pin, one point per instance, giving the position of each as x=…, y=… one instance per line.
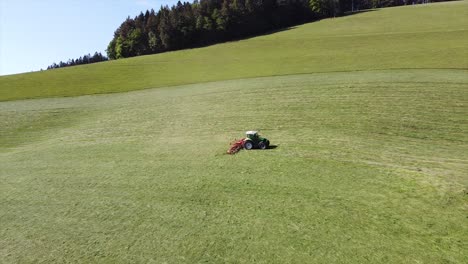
x=253, y=135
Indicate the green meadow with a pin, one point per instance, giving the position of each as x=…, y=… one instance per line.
x=368, y=118
x=413, y=37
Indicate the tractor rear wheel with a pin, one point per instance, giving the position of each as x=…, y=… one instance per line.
x=248, y=145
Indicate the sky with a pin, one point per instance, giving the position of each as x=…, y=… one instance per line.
x=36, y=33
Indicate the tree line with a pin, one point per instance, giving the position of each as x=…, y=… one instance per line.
x=188, y=25
x=331, y=8
x=86, y=59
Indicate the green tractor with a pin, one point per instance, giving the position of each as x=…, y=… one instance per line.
x=254, y=140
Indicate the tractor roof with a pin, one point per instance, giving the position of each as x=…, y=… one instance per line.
x=251, y=132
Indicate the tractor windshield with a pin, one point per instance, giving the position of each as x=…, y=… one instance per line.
x=252, y=136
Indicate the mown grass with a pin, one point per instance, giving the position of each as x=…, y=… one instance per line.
x=370, y=167
x=424, y=36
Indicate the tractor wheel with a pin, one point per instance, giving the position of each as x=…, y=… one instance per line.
x=262, y=145
x=248, y=145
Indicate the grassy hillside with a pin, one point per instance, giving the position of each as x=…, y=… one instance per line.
x=423, y=36
x=370, y=166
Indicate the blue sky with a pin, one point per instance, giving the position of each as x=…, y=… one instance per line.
x=36, y=33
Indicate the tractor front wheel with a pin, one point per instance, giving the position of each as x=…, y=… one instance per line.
x=248, y=145
x=262, y=145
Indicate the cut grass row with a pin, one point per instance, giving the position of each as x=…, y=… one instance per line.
x=426, y=36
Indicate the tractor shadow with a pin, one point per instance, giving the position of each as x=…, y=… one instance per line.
x=271, y=147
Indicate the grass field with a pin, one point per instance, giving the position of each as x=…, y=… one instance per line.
x=370, y=165
x=422, y=36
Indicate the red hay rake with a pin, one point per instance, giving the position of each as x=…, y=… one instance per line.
x=236, y=146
